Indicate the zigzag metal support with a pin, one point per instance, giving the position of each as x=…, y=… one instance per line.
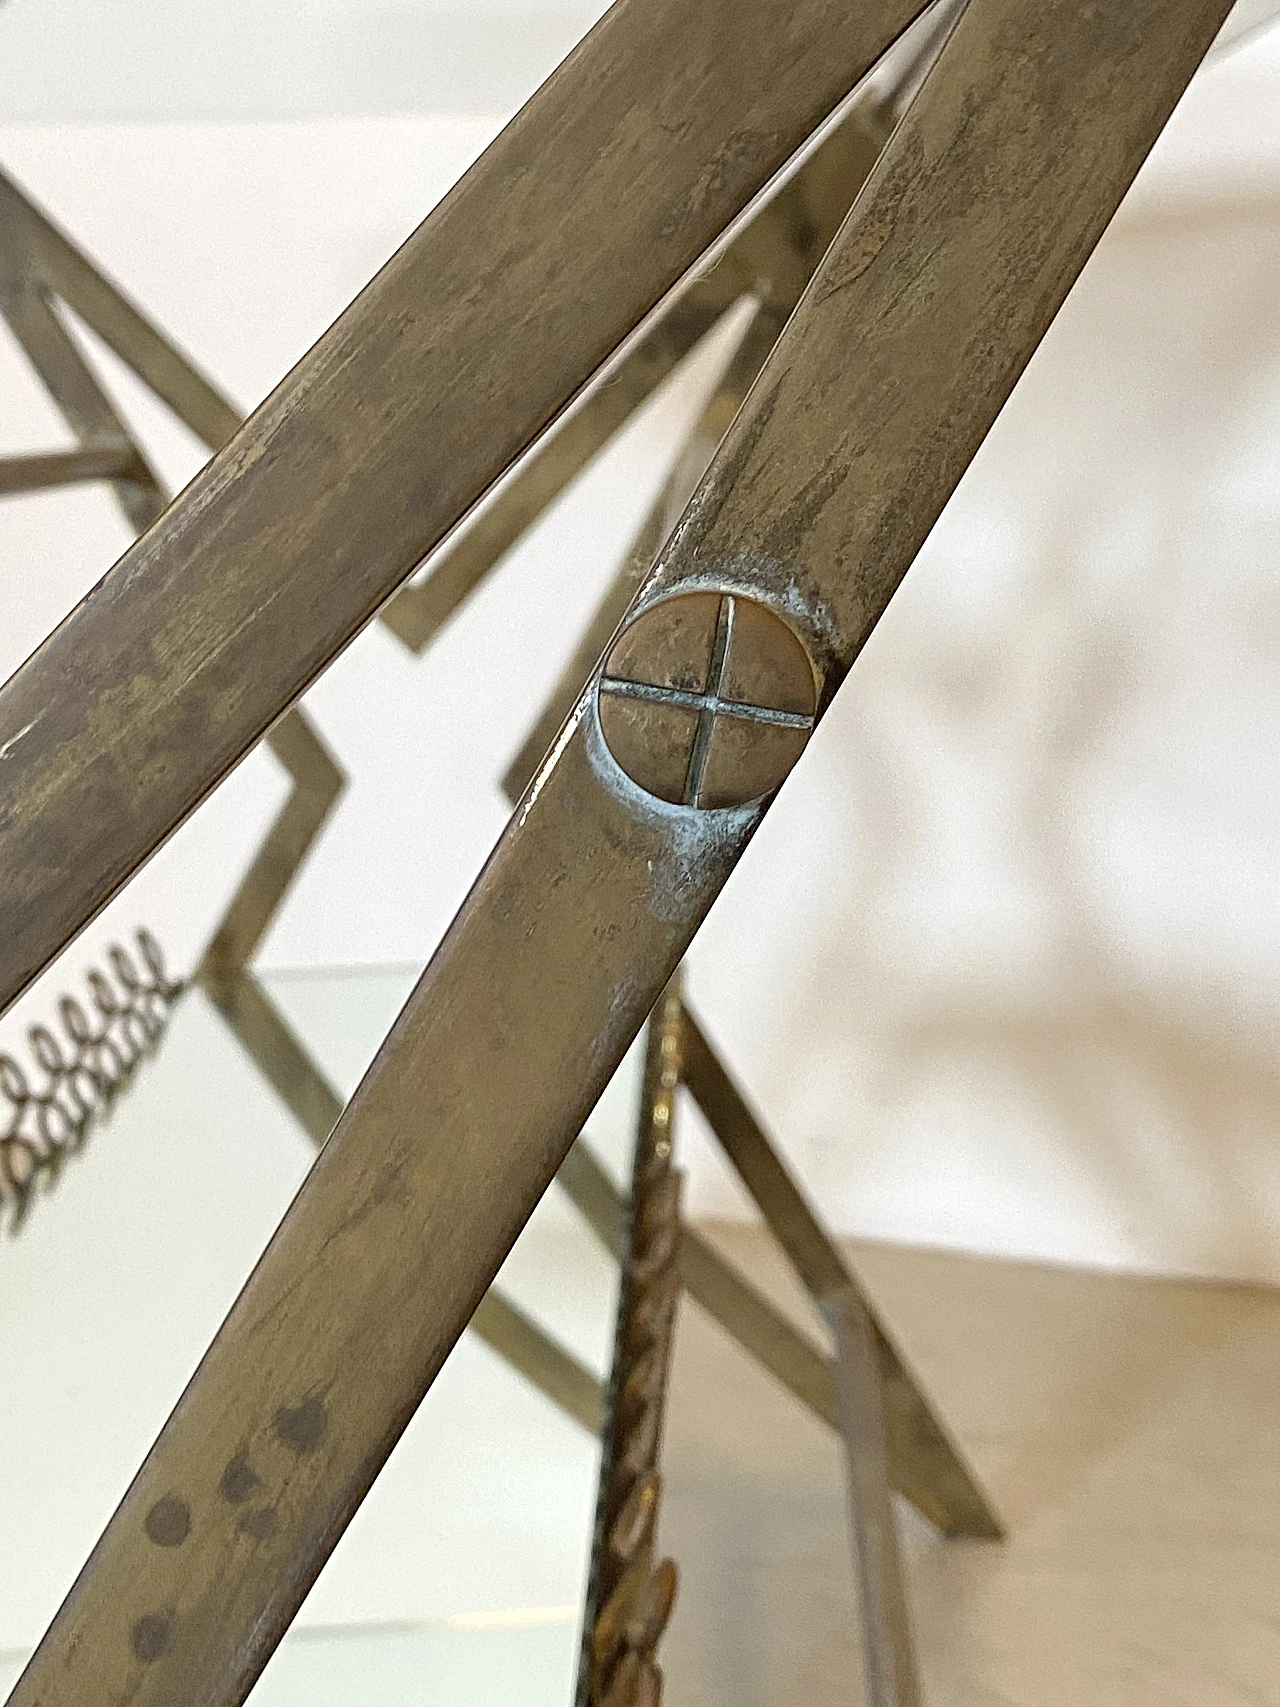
x=39, y=264
x=769, y=262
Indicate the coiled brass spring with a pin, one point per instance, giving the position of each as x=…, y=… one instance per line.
x=85, y=1069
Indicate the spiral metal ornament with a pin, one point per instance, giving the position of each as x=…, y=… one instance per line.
x=82, y=1063
x=632, y=1591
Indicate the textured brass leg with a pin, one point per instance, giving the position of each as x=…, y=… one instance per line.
x=631, y=1590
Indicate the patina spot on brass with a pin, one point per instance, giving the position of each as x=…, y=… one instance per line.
x=168, y=1522
x=302, y=1427
x=151, y=1637
x=239, y=1481
x=707, y=700
x=261, y=1523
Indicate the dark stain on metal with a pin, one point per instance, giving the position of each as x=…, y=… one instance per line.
x=168, y=1522
x=302, y=1427
x=239, y=1482
x=261, y=1523
x=151, y=1637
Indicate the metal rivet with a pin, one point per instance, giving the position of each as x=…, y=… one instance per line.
x=707, y=699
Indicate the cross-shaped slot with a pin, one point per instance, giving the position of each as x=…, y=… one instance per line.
x=707, y=700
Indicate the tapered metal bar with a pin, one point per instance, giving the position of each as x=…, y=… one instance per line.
x=967, y=236
x=318, y=782
x=418, y=611
x=79, y=398
x=533, y=1354
x=590, y=206
x=928, y=1465
x=757, y=338
x=65, y=468
x=120, y=324
x=888, y=1649
x=771, y=259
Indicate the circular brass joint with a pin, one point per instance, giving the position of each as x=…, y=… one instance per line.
x=706, y=699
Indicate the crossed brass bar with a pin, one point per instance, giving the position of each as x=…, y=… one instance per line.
x=37, y=264
x=629, y=162
x=121, y=324
x=926, y=1465
x=972, y=227
x=80, y=399
x=771, y=259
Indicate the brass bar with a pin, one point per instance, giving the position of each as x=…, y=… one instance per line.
x=556, y=1374
x=271, y=1044
x=65, y=468
x=928, y=1466
x=791, y=1220
x=31, y=1150
x=713, y=1284
x=772, y=259
x=318, y=782
x=590, y=206
x=888, y=1648
x=758, y=338
x=630, y=1591
x=964, y=242
x=759, y=1327
x=120, y=324
x=79, y=398
x=792, y=1359
x=303, y=1088
x=418, y=612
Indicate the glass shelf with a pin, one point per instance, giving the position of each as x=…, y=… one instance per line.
x=462, y=1576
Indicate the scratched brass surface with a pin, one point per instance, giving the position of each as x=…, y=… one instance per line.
x=973, y=225
x=608, y=186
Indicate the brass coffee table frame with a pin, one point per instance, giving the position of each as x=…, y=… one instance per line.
x=976, y=219
x=767, y=266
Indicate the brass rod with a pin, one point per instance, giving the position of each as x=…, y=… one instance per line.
x=927, y=1465
x=888, y=1647
x=65, y=468
x=618, y=1660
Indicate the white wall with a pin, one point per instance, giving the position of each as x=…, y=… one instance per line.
x=268, y=59
x=1001, y=969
